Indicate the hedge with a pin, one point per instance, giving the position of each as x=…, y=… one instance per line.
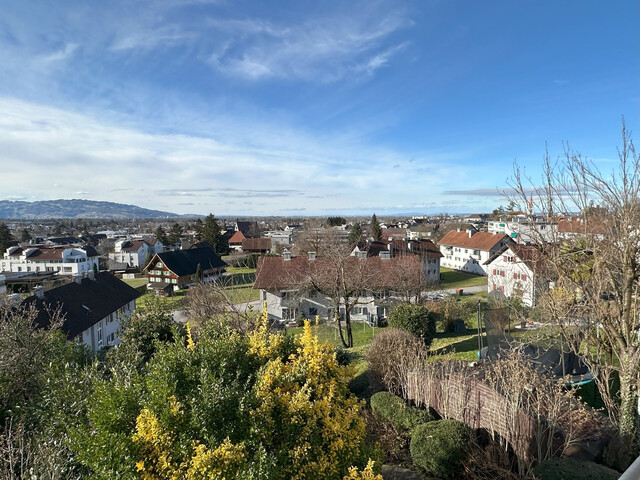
x=572, y=469
x=441, y=447
x=393, y=409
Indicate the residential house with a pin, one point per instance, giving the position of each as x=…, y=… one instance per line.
x=248, y=229
x=256, y=245
x=181, y=268
x=422, y=230
x=65, y=260
x=469, y=250
x=235, y=242
x=517, y=270
x=425, y=250
x=281, y=281
x=93, y=307
x=136, y=252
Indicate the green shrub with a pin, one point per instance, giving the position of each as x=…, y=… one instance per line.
x=441, y=447
x=415, y=319
x=404, y=418
x=572, y=469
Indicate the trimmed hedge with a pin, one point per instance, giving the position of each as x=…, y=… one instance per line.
x=393, y=409
x=415, y=319
x=572, y=469
x=441, y=447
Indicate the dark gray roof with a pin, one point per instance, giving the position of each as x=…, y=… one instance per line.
x=83, y=304
x=185, y=262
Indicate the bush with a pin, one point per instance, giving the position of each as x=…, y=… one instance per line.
x=415, y=319
x=441, y=447
x=572, y=469
x=392, y=354
x=393, y=409
x=450, y=308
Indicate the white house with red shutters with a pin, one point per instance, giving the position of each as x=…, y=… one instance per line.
x=517, y=270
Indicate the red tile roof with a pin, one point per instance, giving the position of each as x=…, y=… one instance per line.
x=478, y=241
x=277, y=273
x=237, y=238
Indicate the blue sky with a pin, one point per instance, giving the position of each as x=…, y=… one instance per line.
x=307, y=108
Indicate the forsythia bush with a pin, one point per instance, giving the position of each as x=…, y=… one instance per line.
x=228, y=406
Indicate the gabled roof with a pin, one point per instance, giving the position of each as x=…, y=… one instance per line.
x=83, y=304
x=278, y=273
x=185, y=262
x=237, y=238
x=423, y=248
x=261, y=244
x=529, y=255
x=51, y=252
x=478, y=241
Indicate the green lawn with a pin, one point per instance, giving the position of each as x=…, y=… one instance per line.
x=457, y=279
x=170, y=303
x=242, y=293
x=135, y=282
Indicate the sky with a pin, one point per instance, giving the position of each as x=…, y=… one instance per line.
x=299, y=107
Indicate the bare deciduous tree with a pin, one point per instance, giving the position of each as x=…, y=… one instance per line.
x=593, y=256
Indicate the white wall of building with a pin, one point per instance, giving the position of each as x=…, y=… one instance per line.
x=511, y=276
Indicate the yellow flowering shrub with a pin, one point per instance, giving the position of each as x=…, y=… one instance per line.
x=366, y=474
x=261, y=342
x=156, y=452
x=306, y=414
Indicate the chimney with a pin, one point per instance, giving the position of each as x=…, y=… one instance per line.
x=286, y=255
x=39, y=292
x=385, y=255
x=312, y=255
x=470, y=233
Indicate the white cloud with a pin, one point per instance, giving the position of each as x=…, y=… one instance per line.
x=324, y=49
x=55, y=153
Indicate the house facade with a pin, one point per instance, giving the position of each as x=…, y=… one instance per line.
x=516, y=270
x=469, y=250
x=283, y=286
x=426, y=251
x=183, y=268
x=93, y=307
x=136, y=252
x=64, y=260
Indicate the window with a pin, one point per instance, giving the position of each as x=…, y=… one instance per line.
x=313, y=311
x=67, y=269
x=289, y=313
x=159, y=265
x=100, y=337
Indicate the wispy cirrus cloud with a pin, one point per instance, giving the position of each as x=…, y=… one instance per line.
x=323, y=49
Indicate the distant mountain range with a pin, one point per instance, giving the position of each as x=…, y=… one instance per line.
x=76, y=209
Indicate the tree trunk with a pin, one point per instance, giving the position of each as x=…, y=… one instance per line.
x=629, y=405
x=347, y=322
x=344, y=343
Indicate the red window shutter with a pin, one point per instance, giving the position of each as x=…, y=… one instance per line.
x=502, y=289
x=494, y=271
x=502, y=273
x=504, y=258
x=515, y=276
x=524, y=278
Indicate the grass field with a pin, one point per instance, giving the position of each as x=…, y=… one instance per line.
x=135, y=282
x=457, y=279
